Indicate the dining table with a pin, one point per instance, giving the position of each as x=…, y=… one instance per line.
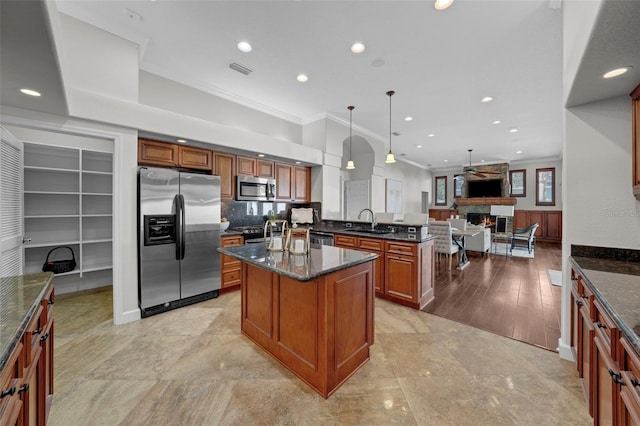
x=459, y=237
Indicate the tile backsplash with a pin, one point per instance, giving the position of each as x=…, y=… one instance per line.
x=246, y=213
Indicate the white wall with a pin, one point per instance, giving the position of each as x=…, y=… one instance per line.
x=414, y=180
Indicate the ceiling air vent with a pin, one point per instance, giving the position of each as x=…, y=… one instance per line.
x=240, y=68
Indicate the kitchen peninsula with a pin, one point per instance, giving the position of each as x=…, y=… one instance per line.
x=313, y=313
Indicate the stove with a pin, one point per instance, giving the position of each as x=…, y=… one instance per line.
x=250, y=232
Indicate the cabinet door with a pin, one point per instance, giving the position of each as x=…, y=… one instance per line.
x=245, y=166
x=605, y=390
x=376, y=246
x=401, y=277
x=284, y=181
x=152, y=153
x=194, y=158
x=266, y=169
x=230, y=269
x=537, y=216
x=584, y=353
x=635, y=100
x=520, y=219
x=224, y=165
x=302, y=184
x=553, y=225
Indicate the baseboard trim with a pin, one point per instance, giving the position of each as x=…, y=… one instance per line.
x=126, y=317
x=565, y=351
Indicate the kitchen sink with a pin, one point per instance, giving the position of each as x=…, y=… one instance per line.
x=368, y=231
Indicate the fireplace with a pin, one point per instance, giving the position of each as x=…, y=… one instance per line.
x=480, y=218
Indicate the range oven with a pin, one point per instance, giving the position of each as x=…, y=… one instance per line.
x=251, y=188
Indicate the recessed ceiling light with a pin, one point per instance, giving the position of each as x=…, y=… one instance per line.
x=297, y=162
x=358, y=47
x=446, y=161
x=408, y=118
x=518, y=152
x=181, y=141
x=482, y=161
x=431, y=135
x=486, y=99
x=496, y=122
x=513, y=129
x=418, y=146
x=442, y=4
x=616, y=72
x=30, y=92
x=302, y=78
x=260, y=155
x=244, y=46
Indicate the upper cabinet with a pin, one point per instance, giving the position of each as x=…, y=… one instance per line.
x=293, y=183
x=635, y=101
x=152, y=153
x=248, y=166
x=224, y=165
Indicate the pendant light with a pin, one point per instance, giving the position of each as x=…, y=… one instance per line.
x=390, y=157
x=350, y=165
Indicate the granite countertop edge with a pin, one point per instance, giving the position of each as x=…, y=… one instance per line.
x=298, y=277
x=582, y=265
x=393, y=236
x=4, y=356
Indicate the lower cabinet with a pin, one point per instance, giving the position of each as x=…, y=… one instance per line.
x=26, y=381
x=404, y=272
x=606, y=362
x=230, y=268
x=550, y=222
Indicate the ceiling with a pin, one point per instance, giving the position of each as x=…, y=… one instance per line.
x=440, y=64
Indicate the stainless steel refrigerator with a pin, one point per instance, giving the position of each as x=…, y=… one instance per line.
x=179, y=234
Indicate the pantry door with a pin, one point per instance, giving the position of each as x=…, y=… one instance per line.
x=11, y=251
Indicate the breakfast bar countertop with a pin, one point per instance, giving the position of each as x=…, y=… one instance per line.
x=320, y=261
x=19, y=298
x=616, y=284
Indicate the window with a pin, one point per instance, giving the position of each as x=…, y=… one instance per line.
x=518, y=180
x=441, y=190
x=545, y=187
x=458, y=186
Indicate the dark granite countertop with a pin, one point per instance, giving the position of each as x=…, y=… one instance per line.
x=19, y=299
x=320, y=261
x=397, y=236
x=616, y=284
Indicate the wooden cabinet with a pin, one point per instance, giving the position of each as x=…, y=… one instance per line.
x=403, y=271
x=247, y=166
x=442, y=214
x=635, y=106
x=164, y=154
x=230, y=268
x=224, y=165
x=154, y=153
x=550, y=222
x=605, y=372
x=26, y=380
x=630, y=392
x=293, y=183
x=195, y=158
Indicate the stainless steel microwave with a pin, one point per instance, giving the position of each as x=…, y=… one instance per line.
x=255, y=189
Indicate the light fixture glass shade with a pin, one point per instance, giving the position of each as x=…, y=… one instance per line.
x=390, y=158
x=350, y=165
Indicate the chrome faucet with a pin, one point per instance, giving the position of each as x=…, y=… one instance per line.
x=373, y=217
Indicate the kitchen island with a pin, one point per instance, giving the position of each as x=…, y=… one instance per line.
x=313, y=313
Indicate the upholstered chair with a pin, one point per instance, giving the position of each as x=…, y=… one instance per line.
x=444, y=243
x=460, y=224
x=524, y=235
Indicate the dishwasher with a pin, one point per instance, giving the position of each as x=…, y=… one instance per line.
x=319, y=238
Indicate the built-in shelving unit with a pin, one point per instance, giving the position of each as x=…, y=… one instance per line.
x=68, y=202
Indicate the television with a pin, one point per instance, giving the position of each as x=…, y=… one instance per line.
x=484, y=188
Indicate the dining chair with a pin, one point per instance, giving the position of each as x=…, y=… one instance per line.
x=444, y=243
x=525, y=235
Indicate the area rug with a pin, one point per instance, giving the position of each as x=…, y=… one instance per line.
x=555, y=277
x=499, y=249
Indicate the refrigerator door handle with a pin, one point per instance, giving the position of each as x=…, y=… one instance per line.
x=182, y=225
x=178, y=227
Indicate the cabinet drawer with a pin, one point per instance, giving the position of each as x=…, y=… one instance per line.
x=47, y=304
x=371, y=244
x=232, y=240
x=231, y=278
x=407, y=249
x=31, y=337
x=345, y=241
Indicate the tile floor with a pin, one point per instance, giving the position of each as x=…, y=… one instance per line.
x=192, y=366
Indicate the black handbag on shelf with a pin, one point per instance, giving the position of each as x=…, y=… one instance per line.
x=59, y=266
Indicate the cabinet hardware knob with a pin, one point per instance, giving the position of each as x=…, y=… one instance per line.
x=44, y=337
x=601, y=325
x=23, y=388
x=579, y=302
x=50, y=302
x=36, y=331
x=584, y=296
x=617, y=377
x=635, y=382
x=8, y=392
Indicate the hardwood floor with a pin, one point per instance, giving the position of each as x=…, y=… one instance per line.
x=509, y=296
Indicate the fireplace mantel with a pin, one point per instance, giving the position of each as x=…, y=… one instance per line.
x=508, y=201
